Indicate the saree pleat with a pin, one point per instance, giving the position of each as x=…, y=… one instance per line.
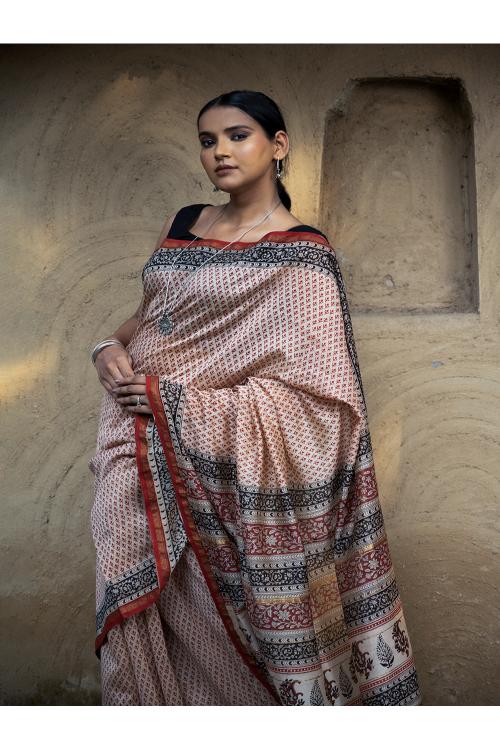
x=248, y=502
x=177, y=653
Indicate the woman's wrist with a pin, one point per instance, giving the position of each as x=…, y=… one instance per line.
x=120, y=337
x=102, y=345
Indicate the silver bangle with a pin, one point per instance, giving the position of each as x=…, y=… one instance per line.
x=102, y=345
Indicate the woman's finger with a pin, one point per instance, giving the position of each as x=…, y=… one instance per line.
x=127, y=390
x=124, y=368
x=108, y=383
x=142, y=409
x=133, y=379
x=113, y=372
x=132, y=399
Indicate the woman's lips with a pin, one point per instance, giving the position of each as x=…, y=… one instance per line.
x=222, y=170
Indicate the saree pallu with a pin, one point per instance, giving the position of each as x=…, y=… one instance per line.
x=258, y=460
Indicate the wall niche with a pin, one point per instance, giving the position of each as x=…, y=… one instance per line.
x=398, y=197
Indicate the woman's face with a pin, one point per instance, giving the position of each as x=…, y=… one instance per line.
x=230, y=136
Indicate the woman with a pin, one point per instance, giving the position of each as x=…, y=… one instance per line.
x=241, y=550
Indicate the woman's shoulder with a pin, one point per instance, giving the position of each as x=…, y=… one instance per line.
x=192, y=209
x=296, y=225
x=308, y=228
x=177, y=222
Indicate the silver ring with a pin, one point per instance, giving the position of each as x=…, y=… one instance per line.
x=139, y=400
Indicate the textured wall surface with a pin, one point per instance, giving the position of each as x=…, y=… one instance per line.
x=98, y=145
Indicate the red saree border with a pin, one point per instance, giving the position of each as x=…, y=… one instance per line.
x=121, y=614
x=281, y=236
x=151, y=501
x=153, y=393
x=157, y=536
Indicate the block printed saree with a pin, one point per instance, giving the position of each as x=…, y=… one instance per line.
x=258, y=458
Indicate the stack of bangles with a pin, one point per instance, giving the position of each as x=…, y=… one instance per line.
x=102, y=345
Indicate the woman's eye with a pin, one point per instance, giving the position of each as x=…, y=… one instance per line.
x=235, y=135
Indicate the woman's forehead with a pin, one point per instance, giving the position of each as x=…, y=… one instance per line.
x=225, y=119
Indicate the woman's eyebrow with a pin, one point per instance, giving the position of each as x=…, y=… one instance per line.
x=226, y=130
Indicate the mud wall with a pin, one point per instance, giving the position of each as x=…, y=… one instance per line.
x=395, y=155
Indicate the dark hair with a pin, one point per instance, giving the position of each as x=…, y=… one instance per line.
x=266, y=112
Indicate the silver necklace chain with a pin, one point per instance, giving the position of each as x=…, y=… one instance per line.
x=166, y=323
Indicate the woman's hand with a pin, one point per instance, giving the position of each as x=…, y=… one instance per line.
x=112, y=363
x=128, y=389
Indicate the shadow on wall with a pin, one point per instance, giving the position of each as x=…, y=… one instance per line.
x=56, y=693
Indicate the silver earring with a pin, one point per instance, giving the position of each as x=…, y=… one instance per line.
x=278, y=173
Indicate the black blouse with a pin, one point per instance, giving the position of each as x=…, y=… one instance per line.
x=187, y=216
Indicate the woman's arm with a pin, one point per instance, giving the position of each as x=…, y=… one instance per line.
x=125, y=332
x=114, y=361
x=165, y=229
x=127, y=329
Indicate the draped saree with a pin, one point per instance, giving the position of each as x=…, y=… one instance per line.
x=249, y=499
